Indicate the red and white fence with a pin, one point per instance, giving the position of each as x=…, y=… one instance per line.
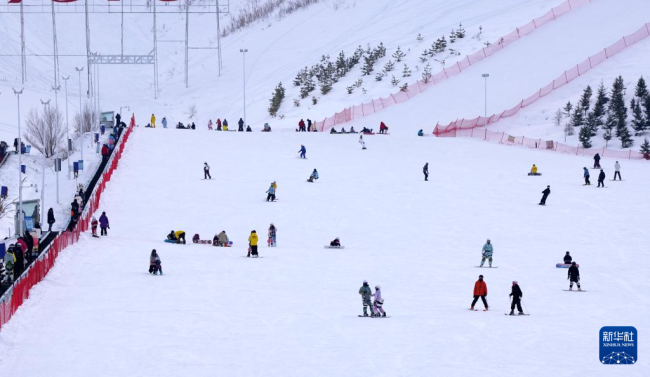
x=565, y=78
x=19, y=292
x=376, y=105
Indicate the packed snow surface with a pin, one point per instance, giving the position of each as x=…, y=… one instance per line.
x=293, y=312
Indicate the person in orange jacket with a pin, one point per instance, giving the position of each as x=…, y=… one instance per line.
x=480, y=290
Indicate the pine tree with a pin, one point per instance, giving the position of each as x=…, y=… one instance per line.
x=404, y=88
x=420, y=37
x=567, y=109
x=424, y=56
x=592, y=122
x=307, y=87
x=398, y=54
x=460, y=33
x=389, y=66
x=350, y=89
x=379, y=76
x=394, y=81
x=599, y=109
x=426, y=74
x=645, y=148
x=641, y=89
x=407, y=71
x=301, y=77
x=626, y=137
x=440, y=45
x=341, y=65
x=380, y=51
x=326, y=86
x=638, y=123
x=617, y=106
x=646, y=110
x=586, y=99
x=585, y=136
x=276, y=100
x=577, y=119
x=452, y=36
x=609, y=124
x=368, y=65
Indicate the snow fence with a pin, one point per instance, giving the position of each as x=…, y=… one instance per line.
x=376, y=105
x=19, y=291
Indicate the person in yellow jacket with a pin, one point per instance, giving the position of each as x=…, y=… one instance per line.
x=153, y=121
x=178, y=236
x=252, y=241
x=533, y=170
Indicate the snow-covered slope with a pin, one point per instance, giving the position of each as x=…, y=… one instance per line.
x=294, y=311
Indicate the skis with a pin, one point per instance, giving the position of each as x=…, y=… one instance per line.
x=487, y=267
x=252, y=257
x=475, y=310
x=562, y=265
x=515, y=315
x=574, y=290
x=334, y=247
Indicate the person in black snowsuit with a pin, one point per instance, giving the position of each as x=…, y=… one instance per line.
x=601, y=178
x=19, y=264
x=425, y=170
x=596, y=161
x=29, y=241
x=546, y=193
x=567, y=258
x=573, y=276
x=50, y=219
x=248, y=129
x=241, y=125
x=206, y=171
x=516, y=295
x=74, y=206
x=118, y=117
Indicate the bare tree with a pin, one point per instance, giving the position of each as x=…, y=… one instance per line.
x=192, y=111
x=86, y=121
x=45, y=130
x=5, y=206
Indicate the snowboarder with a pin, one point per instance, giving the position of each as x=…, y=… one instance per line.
x=516, y=295
x=241, y=125
x=533, y=170
x=153, y=121
x=363, y=143
x=252, y=241
x=425, y=170
x=271, y=192
x=267, y=128
x=601, y=178
x=210, y=125
x=221, y=239
x=302, y=151
x=206, y=171
x=272, y=236
x=336, y=242
x=225, y=125
x=546, y=193
x=573, y=276
x=567, y=258
x=617, y=171
x=596, y=161
x=103, y=224
x=248, y=129
x=366, y=293
x=218, y=124
x=383, y=128
x=487, y=253
x=480, y=290
x=50, y=219
x=93, y=225
x=154, y=263
x=314, y=175
x=164, y=122
x=308, y=124
x=378, y=303
x=586, y=176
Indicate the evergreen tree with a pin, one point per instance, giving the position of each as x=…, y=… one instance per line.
x=379, y=76
x=424, y=56
x=599, y=109
x=646, y=110
x=307, y=87
x=626, y=137
x=398, y=54
x=426, y=74
x=404, y=88
x=355, y=58
x=350, y=89
x=452, y=36
x=440, y=45
x=380, y=51
x=586, y=99
x=645, y=148
x=617, y=106
x=641, y=89
x=394, y=81
x=460, y=33
x=326, y=85
x=577, y=119
x=567, y=109
x=407, y=71
x=609, y=124
x=638, y=122
x=276, y=100
x=368, y=65
x=420, y=37
x=389, y=66
x=593, y=123
x=585, y=136
x=341, y=65
x=301, y=77
x=557, y=119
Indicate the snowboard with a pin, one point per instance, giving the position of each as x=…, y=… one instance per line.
x=228, y=245
x=243, y=256
x=487, y=267
x=534, y=175
x=516, y=315
x=209, y=242
x=95, y=236
x=575, y=290
x=613, y=180
x=271, y=201
x=562, y=265
x=367, y=316
x=475, y=310
x=171, y=241
x=334, y=247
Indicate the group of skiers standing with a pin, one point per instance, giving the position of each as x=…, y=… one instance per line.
x=481, y=291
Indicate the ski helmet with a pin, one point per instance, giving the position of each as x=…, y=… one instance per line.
x=365, y=282
x=377, y=287
x=488, y=240
x=480, y=276
x=514, y=282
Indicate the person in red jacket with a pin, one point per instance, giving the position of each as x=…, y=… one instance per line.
x=218, y=124
x=383, y=128
x=480, y=290
x=105, y=152
x=301, y=126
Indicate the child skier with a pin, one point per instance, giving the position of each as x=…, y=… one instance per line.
x=366, y=293
x=487, y=253
x=154, y=263
x=378, y=303
x=252, y=242
x=93, y=224
x=480, y=290
x=272, y=234
x=573, y=276
x=271, y=192
x=302, y=151
x=206, y=171
x=516, y=295
x=363, y=143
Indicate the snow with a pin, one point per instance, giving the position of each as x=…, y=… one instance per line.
x=294, y=311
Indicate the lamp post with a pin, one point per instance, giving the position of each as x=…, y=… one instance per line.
x=20, y=177
x=485, y=76
x=244, y=51
x=81, y=117
x=45, y=105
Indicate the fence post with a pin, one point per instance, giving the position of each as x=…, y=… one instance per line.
x=552, y=11
x=630, y=156
x=485, y=137
x=502, y=135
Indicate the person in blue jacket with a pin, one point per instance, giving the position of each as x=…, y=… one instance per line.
x=314, y=175
x=586, y=176
x=302, y=151
x=271, y=192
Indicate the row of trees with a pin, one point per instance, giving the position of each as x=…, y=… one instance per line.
x=609, y=112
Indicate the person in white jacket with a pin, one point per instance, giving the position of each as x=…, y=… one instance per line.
x=617, y=171
x=378, y=303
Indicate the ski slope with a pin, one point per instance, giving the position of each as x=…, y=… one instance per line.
x=294, y=311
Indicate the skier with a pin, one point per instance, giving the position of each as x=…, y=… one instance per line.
x=153, y=121
x=480, y=290
x=586, y=176
x=573, y=276
x=154, y=263
x=601, y=178
x=378, y=303
x=425, y=170
x=546, y=193
x=301, y=126
x=206, y=171
x=363, y=143
x=302, y=151
x=617, y=171
x=567, y=258
x=218, y=124
x=221, y=239
x=487, y=253
x=596, y=161
x=271, y=192
x=93, y=225
x=50, y=219
x=335, y=243
x=314, y=175
x=241, y=125
x=210, y=125
x=272, y=236
x=308, y=124
x=516, y=295
x=164, y=122
x=252, y=241
x=103, y=224
x=366, y=293
x=383, y=128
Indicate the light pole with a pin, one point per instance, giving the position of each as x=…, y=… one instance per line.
x=81, y=117
x=20, y=176
x=45, y=105
x=485, y=76
x=243, y=52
